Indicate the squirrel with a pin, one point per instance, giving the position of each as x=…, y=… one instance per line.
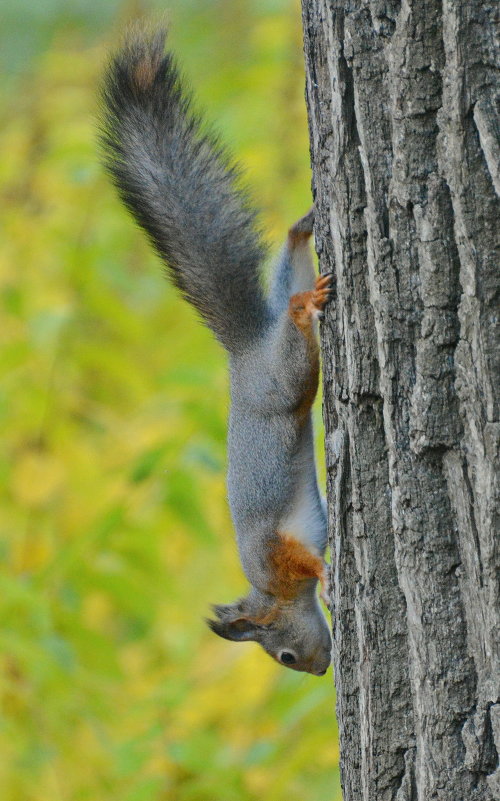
x=182, y=189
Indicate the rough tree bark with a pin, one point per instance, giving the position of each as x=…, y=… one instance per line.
x=404, y=141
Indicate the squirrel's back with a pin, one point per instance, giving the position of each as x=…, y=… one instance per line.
x=176, y=180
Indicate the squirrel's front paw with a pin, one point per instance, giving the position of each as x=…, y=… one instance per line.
x=321, y=294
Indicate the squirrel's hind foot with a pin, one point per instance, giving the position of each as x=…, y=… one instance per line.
x=307, y=306
x=320, y=295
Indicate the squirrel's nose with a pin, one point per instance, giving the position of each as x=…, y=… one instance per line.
x=320, y=672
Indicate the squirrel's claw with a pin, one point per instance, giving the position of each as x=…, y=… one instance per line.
x=321, y=293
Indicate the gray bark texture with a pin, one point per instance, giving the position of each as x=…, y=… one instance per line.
x=404, y=140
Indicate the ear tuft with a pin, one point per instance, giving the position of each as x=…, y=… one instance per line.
x=240, y=630
x=227, y=611
x=232, y=624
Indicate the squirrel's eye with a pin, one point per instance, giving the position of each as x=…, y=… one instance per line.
x=287, y=658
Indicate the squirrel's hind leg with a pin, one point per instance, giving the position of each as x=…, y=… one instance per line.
x=290, y=360
x=294, y=271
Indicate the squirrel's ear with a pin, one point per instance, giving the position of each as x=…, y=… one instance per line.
x=232, y=624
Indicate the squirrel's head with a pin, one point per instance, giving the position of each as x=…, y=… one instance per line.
x=296, y=633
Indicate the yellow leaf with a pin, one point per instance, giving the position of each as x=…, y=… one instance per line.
x=36, y=478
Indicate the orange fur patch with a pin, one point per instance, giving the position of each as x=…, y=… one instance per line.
x=309, y=394
x=266, y=617
x=293, y=564
x=301, y=231
x=297, y=238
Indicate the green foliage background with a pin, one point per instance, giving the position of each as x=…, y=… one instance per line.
x=115, y=533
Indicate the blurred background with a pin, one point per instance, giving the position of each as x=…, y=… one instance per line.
x=115, y=532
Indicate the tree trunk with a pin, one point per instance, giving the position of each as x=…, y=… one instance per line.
x=404, y=143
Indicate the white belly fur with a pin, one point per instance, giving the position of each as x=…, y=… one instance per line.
x=305, y=519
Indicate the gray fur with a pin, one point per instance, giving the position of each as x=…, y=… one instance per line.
x=179, y=186
x=178, y=183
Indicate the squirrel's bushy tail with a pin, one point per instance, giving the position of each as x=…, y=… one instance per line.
x=177, y=182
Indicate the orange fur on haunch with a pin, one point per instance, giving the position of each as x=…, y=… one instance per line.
x=292, y=564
